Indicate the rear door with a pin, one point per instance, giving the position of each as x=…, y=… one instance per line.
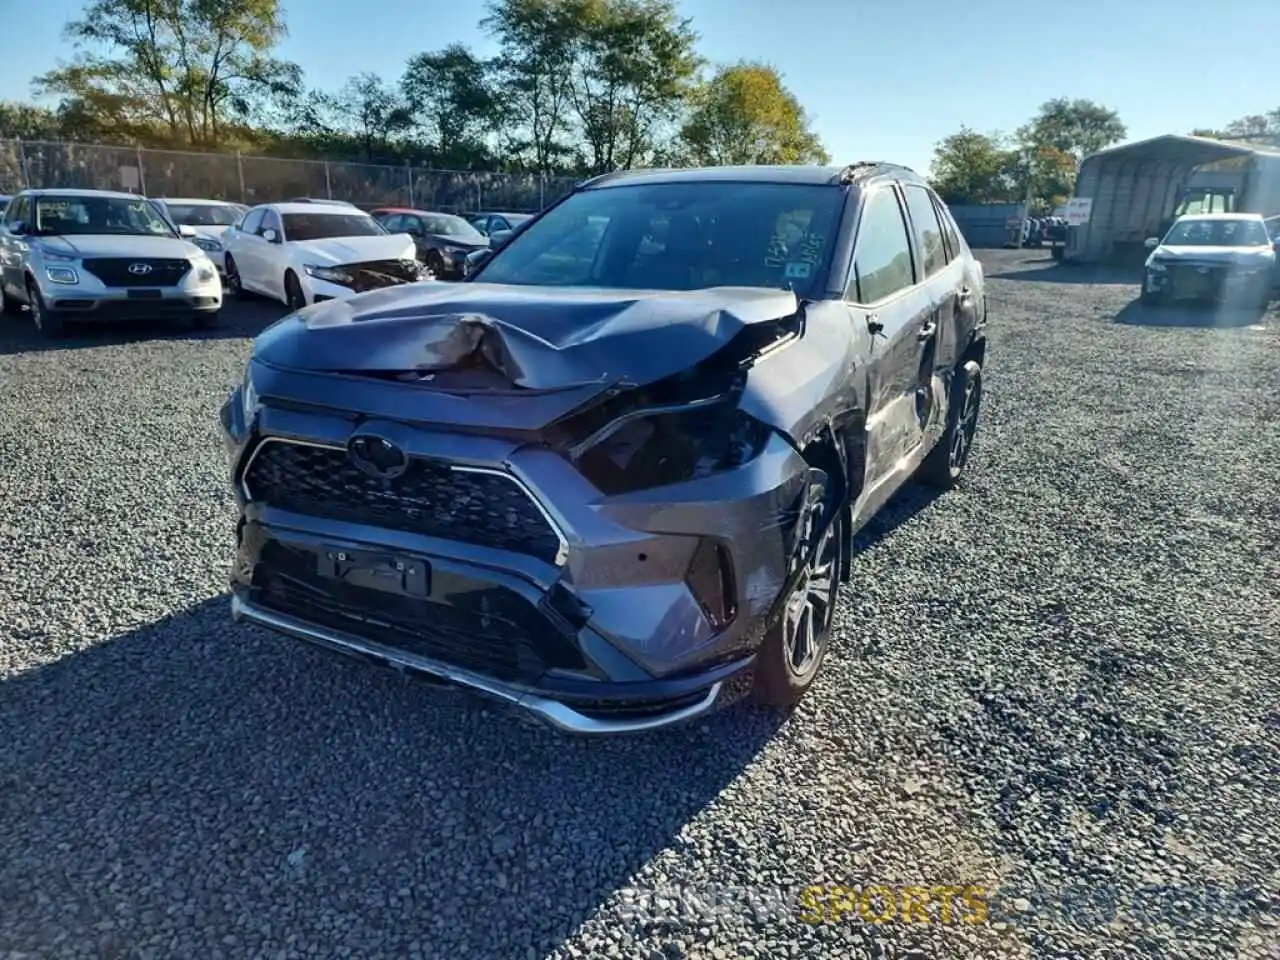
x=896, y=311
x=940, y=279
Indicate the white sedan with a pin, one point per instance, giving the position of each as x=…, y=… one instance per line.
x=303, y=253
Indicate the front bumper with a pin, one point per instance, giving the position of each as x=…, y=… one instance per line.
x=1206, y=283
x=601, y=632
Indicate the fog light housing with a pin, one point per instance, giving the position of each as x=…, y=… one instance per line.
x=710, y=580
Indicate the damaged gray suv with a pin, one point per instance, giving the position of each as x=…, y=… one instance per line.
x=614, y=477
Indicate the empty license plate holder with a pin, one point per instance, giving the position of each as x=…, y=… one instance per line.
x=375, y=570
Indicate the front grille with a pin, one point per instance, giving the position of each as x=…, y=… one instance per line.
x=636, y=709
x=1188, y=281
x=377, y=274
x=493, y=632
x=429, y=498
x=114, y=271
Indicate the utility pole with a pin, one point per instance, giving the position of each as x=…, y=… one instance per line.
x=1026, y=204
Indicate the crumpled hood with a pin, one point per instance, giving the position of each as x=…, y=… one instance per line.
x=340, y=250
x=114, y=245
x=1215, y=255
x=540, y=338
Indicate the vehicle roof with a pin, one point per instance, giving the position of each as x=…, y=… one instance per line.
x=79, y=192
x=1219, y=216
x=314, y=207
x=198, y=201
x=805, y=174
x=415, y=210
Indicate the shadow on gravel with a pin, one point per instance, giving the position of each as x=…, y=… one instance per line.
x=236, y=321
x=1046, y=270
x=1137, y=314
x=907, y=503
x=212, y=789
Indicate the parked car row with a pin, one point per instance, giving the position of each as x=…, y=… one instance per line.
x=55, y=244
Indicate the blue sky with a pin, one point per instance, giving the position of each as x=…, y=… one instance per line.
x=882, y=81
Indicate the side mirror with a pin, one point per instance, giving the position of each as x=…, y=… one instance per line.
x=1151, y=242
x=186, y=231
x=477, y=259
x=270, y=236
x=18, y=228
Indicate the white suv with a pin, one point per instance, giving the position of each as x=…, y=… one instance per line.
x=302, y=253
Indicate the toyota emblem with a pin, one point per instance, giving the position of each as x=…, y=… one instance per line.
x=139, y=269
x=377, y=457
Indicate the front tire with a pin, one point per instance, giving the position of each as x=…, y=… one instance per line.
x=945, y=464
x=796, y=646
x=8, y=304
x=294, y=298
x=235, y=286
x=48, y=324
x=435, y=263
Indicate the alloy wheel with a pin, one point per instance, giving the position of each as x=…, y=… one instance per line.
x=966, y=424
x=811, y=605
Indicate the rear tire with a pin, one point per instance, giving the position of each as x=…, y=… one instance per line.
x=945, y=464
x=796, y=646
x=48, y=325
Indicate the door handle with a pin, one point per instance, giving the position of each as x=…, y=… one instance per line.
x=874, y=325
x=927, y=331
x=966, y=293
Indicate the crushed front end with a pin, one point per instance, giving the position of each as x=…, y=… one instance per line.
x=605, y=559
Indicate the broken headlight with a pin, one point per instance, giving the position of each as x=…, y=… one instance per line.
x=656, y=447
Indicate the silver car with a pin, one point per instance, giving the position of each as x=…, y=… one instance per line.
x=1211, y=256
x=93, y=255
x=203, y=222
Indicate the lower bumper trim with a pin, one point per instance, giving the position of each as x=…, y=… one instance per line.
x=552, y=712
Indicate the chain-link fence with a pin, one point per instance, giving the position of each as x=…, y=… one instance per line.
x=255, y=179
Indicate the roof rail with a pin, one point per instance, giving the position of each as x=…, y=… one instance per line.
x=863, y=168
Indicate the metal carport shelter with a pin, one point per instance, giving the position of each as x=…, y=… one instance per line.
x=1133, y=187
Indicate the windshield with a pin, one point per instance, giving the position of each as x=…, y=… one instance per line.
x=62, y=216
x=677, y=236
x=444, y=225
x=1217, y=233
x=321, y=226
x=204, y=214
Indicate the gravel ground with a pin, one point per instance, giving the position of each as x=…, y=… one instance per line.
x=1058, y=687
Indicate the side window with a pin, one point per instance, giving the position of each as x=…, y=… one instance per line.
x=950, y=233
x=252, y=220
x=393, y=222
x=498, y=223
x=924, y=220
x=882, y=265
x=271, y=221
x=17, y=210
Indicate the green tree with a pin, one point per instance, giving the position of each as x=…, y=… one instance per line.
x=972, y=167
x=1263, y=128
x=634, y=65
x=452, y=99
x=537, y=41
x=745, y=115
x=1075, y=127
x=184, y=67
x=25, y=121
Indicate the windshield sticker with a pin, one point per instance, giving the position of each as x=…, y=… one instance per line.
x=798, y=271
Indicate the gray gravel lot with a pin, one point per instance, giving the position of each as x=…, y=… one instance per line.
x=1060, y=684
